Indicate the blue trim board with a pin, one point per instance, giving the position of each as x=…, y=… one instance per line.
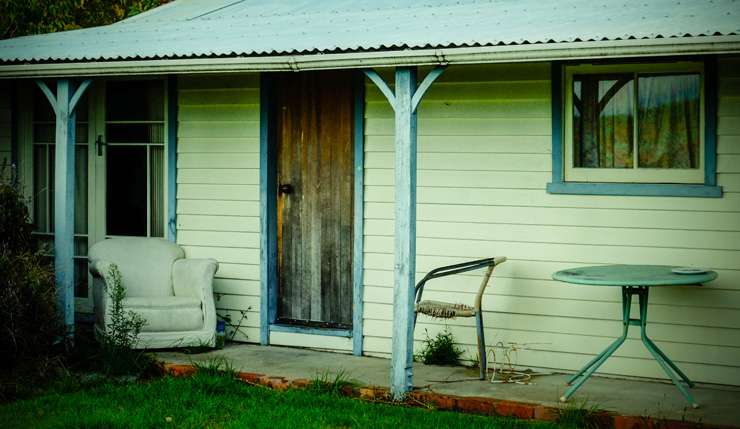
x=14, y=109
x=635, y=189
x=711, y=82
x=358, y=215
x=708, y=190
x=297, y=329
x=268, y=218
x=556, y=70
x=172, y=158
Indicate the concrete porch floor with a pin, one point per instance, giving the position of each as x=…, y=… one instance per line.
x=719, y=405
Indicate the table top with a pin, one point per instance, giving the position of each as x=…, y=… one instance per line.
x=631, y=275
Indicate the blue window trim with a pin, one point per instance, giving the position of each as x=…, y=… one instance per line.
x=268, y=223
x=708, y=189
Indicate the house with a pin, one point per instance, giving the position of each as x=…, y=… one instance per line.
x=261, y=134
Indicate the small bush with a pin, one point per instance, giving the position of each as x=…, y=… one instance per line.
x=440, y=350
x=121, y=332
x=29, y=319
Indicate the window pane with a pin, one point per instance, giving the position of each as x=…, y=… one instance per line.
x=668, y=121
x=126, y=190
x=135, y=101
x=81, y=189
x=40, y=190
x=80, y=273
x=157, y=190
x=135, y=133
x=603, y=121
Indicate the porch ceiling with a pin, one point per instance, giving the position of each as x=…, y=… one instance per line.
x=229, y=28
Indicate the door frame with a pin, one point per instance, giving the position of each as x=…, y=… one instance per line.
x=268, y=220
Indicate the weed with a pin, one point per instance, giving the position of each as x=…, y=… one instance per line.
x=216, y=366
x=581, y=415
x=334, y=385
x=440, y=350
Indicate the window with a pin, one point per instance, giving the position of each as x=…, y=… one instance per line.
x=632, y=124
x=44, y=133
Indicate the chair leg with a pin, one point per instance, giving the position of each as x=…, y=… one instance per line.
x=481, y=345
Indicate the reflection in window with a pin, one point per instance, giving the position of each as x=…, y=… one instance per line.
x=603, y=118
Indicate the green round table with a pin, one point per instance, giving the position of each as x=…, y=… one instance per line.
x=634, y=280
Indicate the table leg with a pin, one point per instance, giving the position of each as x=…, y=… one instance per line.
x=597, y=361
x=668, y=366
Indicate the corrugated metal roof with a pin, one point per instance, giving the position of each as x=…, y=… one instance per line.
x=203, y=28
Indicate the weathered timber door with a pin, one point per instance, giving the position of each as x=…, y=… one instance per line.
x=314, y=136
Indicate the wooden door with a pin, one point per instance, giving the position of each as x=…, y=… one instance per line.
x=314, y=129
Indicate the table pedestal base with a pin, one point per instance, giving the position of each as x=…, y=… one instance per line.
x=668, y=366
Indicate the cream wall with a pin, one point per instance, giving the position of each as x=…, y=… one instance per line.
x=484, y=161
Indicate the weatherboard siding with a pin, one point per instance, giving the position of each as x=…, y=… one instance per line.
x=484, y=161
x=218, y=188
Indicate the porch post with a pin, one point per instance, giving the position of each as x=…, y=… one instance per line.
x=64, y=103
x=405, y=241
x=404, y=101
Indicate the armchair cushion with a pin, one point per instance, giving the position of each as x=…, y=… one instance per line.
x=167, y=314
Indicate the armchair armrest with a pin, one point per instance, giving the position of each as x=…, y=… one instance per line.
x=194, y=278
x=99, y=268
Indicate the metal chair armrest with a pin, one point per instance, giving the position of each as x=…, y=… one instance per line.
x=455, y=269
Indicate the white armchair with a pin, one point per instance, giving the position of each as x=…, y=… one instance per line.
x=173, y=294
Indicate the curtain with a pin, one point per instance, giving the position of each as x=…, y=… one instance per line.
x=668, y=121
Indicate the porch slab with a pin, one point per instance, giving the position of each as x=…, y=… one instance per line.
x=654, y=398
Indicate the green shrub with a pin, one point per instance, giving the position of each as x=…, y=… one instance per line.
x=121, y=332
x=29, y=320
x=440, y=350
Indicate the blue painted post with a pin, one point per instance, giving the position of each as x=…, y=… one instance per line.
x=64, y=104
x=405, y=242
x=64, y=204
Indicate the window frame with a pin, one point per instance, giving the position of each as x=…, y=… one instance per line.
x=634, y=181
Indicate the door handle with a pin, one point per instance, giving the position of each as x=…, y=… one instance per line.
x=99, y=143
x=285, y=188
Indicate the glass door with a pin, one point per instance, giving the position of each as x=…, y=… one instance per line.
x=131, y=152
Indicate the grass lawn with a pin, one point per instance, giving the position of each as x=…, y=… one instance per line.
x=215, y=401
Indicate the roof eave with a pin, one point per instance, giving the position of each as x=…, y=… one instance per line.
x=469, y=55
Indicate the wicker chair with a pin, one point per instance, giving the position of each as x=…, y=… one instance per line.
x=446, y=310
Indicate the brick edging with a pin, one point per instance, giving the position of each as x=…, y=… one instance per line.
x=465, y=404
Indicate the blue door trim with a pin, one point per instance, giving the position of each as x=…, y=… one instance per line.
x=172, y=158
x=358, y=216
x=268, y=222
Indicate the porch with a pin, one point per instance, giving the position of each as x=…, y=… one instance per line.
x=620, y=397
